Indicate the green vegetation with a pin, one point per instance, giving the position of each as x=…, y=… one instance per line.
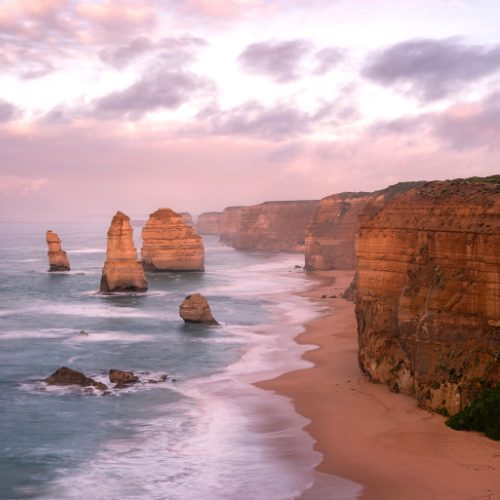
x=492, y=179
x=482, y=415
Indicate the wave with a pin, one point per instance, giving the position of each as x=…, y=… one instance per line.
x=71, y=335
x=86, y=250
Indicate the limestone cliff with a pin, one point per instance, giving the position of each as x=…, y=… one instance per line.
x=187, y=218
x=428, y=298
x=330, y=236
x=58, y=260
x=273, y=226
x=169, y=244
x=209, y=223
x=122, y=271
x=230, y=224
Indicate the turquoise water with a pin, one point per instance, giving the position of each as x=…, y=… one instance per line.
x=209, y=435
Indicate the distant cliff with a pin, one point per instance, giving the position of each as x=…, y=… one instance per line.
x=428, y=298
x=209, y=223
x=329, y=240
x=273, y=226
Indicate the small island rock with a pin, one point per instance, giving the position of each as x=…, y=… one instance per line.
x=67, y=376
x=195, y=309
x=58, y=259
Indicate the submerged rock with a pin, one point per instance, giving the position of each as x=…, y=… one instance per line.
x=122, y=272
x=67, y=376
x=169, y=244
x=58, y=259
x=195, y=309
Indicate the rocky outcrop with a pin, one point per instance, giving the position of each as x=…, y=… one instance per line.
x=195, y=309
x=169, y=244
x=209, y=223
x=187, y=218
x=428, y=297
x=122, y=271
x=67, y=376
x=58, y=260
x=116, y=376
x=331, y=234
x=230, y=224
x=273, y=226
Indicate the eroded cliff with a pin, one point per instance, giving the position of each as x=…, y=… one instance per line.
x=428, y=297
x=209, y=223
x=169, y=244
x=58, y=259
x=273, y=226
x=122, y=271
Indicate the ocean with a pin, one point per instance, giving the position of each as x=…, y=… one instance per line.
x=204, y=433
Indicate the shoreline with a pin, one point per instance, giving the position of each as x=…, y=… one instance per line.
x=367, y=434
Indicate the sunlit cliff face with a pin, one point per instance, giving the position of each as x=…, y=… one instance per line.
x=200, y=104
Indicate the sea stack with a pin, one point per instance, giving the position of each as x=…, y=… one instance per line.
x=427, y=302
x=209, y=223
x=169, y=244
x=195, y=309
x=122, y=272
x=58, y=260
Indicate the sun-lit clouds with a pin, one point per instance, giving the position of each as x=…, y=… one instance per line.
x=8, y=111
x=327, y=59
x=12, y=185
x=433, y=69
x=279, y=60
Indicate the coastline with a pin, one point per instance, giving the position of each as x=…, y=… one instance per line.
x=369, y=435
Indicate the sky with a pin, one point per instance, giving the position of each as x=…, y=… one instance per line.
x=196, y=105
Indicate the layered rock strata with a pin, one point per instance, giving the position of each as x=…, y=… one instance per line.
x=195, y=309
x=331, y=234
x=122, y=271
x=209, y=223
x=58, y=259
x=273, y=226
x=169, y=244
x=428, y=293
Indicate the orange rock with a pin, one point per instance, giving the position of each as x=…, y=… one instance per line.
x=169, y=244
x=273, y=226
x=122, y=271
x=428, y=298
x=58, y=260
x=195, y=309
x=209, y=223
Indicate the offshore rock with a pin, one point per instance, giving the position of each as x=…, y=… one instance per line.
x=58, y=260
x=273, y=226
x=209, y=223
x=122, y=271
x=67, y=376
x=330, y=236
x=428, y=292
x=169, y=244
x=195, y=309
x=120, y=376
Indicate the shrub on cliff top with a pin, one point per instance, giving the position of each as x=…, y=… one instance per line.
x=482, y=415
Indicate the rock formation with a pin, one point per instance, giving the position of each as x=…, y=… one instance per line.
x=428, y=298
x=209, y=223
x=58, y=260
x=67, y=376
x=330, y=236
x=169, y=244
x=122, y=271
x=116, y=376
x=195, y=309
x=273, y=226
x=187, y=218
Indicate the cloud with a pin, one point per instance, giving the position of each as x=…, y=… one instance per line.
x=8, y=111
x=20, y=186
x=432, y=69
x=471, y=125
x=157, y=89
x=279, y=60
x=177, y=51
x=327, y=59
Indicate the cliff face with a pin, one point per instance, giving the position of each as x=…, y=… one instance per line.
x=428, y=298
x=122, y=271
x=58, y=260
x=330, y=236
x=169, y=244
x=273, y=226
x=230, y=224
x=187, y=218
x=209, y=223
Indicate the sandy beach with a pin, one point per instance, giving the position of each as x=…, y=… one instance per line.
x=369, y=435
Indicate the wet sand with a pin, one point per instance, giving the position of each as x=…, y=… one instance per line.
x=371, y=436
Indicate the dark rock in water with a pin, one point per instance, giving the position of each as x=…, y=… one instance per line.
x=157, y=381
x=297, y=266
x=119, y=376
x=67, y=376
x=195, y=309
x=83, y=333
